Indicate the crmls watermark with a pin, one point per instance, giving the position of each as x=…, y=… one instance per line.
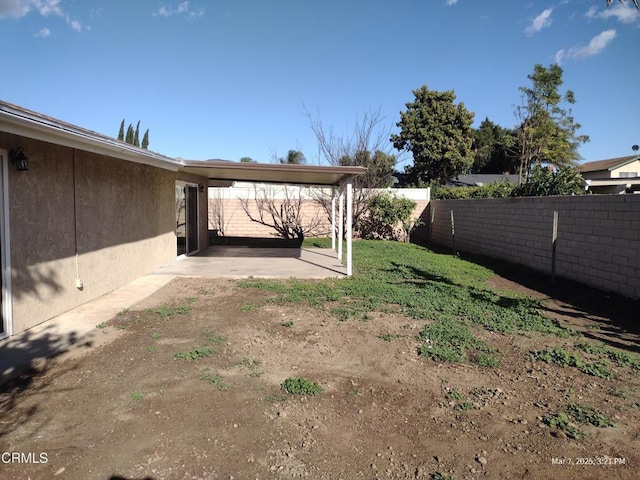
x=21, y=457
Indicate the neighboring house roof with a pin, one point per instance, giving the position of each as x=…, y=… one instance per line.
x=480, y=179
x=610, y=164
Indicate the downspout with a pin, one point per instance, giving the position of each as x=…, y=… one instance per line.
x=79, y=284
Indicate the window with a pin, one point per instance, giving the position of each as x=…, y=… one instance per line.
x=628, y=174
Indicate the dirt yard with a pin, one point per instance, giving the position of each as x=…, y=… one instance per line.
x=190, y=389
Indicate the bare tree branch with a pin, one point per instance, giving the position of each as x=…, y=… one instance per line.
x=282, y=215
x=635, y=2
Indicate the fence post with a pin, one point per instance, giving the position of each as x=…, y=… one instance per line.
x=453, y=233
x=554, y=242
x=432, y=211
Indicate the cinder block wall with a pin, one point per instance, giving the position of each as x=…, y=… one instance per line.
x=598, y=235
x=238, y=224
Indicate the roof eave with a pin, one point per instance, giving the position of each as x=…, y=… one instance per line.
x=22, y=122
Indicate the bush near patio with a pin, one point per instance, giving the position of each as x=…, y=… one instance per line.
x=388, y=217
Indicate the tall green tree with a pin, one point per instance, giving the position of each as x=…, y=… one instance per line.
x=247, y=160
x=121, y=131
x=145, y=139
x=129, y=137
x=547, y=133
x=380, y=167
x=132, y=136
x=438, y=134
x=136, y=135
x=493, y=147
x=294, y=157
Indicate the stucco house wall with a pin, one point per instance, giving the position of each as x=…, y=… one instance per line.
x=80, y=215
x=631, y=170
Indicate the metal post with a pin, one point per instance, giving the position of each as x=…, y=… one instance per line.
x=333, y=217
x=340, y=221
x=349, y=225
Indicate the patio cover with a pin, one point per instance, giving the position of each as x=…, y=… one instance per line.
x=224, y=173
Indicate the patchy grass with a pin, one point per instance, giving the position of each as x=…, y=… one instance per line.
x=620, y=358
x=196, y=354
x=301, y=386
x=424, y=285
x=585, y=414
x=213, y=339
x=453, y=394
x=389, y=337
x=138, y=396
x=573, y=414
x=166, y=311
x=560, y=356
x=449, y=341
x=215, y=380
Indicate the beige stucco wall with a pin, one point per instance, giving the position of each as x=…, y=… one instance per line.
x=633, y=167
x=615, y=173
x=117, y=215
x=598, y=235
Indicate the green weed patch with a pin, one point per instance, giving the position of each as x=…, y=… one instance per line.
x=195, y=354
x=300, y=386
x=559, y=356
x=449, y=341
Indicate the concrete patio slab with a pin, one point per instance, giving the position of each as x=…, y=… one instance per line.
x=243, y=262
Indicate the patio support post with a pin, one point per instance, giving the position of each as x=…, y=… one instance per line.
x=333, y=217
x=349, y=225
x=340, y=220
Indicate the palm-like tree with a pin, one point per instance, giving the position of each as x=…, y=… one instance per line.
x=294, y=157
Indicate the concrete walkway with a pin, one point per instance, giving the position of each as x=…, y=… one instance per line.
x=77, y=327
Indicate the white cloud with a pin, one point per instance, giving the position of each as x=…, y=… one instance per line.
x=541, y=21
x=48, y=7
x=623, y=13
x=451, y=2
x=595, y=46
x=44, y=33
x=183, y=8
x=76, y=25
x=20, y=8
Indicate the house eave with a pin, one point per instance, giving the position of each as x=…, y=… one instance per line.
x=18, y=121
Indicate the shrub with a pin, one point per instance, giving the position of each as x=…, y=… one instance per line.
x=389, y=217
x=498, y=189
x=545, y=182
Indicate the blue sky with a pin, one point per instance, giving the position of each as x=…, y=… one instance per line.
x=230, y=78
